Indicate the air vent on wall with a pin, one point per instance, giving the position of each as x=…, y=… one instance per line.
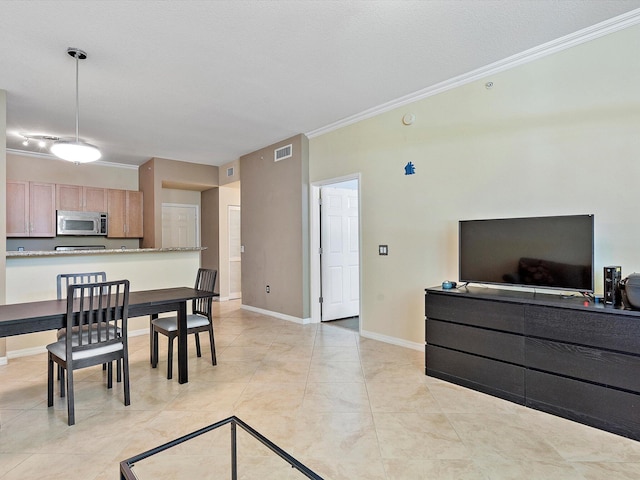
x=282, y=153
x=230, y=172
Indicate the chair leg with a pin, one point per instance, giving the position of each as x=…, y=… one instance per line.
x=125, y=368
x=62, y=387
x=198, y=351
x=118, y=371
x=154, y=347
x=50, y=381
x=170, y=359
x=151, y=330
x=70, y=402
x=110, y=375
x=214, y=360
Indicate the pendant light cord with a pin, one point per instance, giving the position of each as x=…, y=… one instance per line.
x=77, y=102
x=76, y=151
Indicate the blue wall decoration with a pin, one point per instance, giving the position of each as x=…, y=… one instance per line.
x=409, y=169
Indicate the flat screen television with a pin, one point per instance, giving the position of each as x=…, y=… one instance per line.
x=547, y=252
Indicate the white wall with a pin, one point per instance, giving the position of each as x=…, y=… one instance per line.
x=559, y=135
x=3, y=196
x=229, y=195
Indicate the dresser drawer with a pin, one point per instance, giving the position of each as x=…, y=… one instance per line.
x=606, y=408
x=479, y=341
x=584, y=363
x=497, y=378
x=508, y=317
x=601, y=330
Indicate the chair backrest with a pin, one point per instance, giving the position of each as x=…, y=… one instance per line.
x=63, y=280
x=101, y=311
x=205, y=280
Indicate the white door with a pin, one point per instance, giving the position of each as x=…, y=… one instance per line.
x=339, y=261
x=235, y=266
x=180, y=225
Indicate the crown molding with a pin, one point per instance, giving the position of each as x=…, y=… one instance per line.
x=581, y=36
x=25, y=153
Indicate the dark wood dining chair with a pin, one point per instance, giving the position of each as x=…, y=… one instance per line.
x=198, y=321
x=97, y=315
x=63, y=280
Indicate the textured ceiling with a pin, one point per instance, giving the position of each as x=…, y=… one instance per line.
x=209, y=81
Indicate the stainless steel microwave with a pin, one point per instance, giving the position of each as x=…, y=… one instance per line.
x=81, y=223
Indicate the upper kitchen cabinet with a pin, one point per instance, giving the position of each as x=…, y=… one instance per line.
x=80, y=198
x=31, y=209
x=125, y=213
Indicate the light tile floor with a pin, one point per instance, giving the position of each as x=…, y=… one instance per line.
x=347, y=407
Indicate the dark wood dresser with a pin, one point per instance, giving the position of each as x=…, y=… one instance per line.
x=548, y=352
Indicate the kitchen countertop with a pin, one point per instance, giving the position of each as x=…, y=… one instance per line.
x=57, y=253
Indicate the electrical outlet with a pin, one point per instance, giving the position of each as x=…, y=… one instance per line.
x=268, y=289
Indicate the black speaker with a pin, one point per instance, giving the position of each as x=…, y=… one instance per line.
x=612, y=277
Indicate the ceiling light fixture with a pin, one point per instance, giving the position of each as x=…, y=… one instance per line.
x=39, y=139
x=76, y=151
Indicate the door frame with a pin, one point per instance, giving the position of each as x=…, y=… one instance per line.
x=314, y=267
x=229, y=208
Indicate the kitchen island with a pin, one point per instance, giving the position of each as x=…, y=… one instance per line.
x=118, y=251
x=31, y=276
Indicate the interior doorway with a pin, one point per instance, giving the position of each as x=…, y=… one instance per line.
x=235, y=249
x=336, y=237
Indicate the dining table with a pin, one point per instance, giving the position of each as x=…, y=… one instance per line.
x=39, y=316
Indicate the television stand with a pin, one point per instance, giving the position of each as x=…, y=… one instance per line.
x=558, y=355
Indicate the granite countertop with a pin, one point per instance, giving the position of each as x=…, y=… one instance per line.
x=57, y=253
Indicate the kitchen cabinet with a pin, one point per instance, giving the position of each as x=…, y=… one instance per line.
x=125, y=213
x=81, y=198
x=31, y=209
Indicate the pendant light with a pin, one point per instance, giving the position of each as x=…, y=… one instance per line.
x=76, y=151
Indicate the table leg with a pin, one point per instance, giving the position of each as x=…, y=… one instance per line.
x=153, y=316
x=183, y=372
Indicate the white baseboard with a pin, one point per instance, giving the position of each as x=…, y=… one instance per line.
x=364, y=333
x=392, y=340
x=137, y=333
x=26, y=352
x=281, y=316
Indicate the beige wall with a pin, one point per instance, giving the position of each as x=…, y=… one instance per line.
x=224, y=169
x=559, y=135
x=184, y=197
x=150, y=197
x=3, y=212
x=275, y=229
x=159, y=173
x=209, y=230
x=53, y=170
